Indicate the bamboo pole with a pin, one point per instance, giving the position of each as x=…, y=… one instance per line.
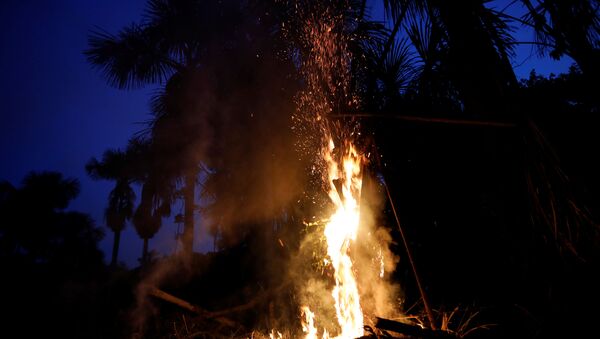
x=412, y=118
x=426, y=304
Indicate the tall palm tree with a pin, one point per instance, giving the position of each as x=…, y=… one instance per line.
x=158, y=191
x=171, y=46
x=147, y=220
x=164, y=44
x=115, y=166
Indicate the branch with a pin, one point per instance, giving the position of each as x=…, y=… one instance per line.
x=537, y=43
x=411, y=330
x=217, y=316
x=392, y=37
x=430, y=120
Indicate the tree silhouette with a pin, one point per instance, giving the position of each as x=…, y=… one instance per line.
x=116, y=166
x=171, y=46
x=147, y=220
x=37, y=230
x=158, y=189
x=470, y=43
x=50, y=258
x=567, y=27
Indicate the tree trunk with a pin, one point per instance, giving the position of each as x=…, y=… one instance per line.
x=145, y=252
x=115, y=249
x=188, y=216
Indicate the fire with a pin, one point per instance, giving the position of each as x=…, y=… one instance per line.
x=308, y=324
x=326, y=68
x=340, y=232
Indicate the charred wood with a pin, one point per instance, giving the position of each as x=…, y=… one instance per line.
x=412, y=330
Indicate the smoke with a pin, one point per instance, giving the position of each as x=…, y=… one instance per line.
x=144, y=309
x=326, y=68
x=229, y=120
x=373, y=262
x=373, y=258
x=259, y=141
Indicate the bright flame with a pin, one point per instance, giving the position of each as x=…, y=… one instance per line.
x=341, y=229
x=340, y=232
x=381, y=263
x=308, y=323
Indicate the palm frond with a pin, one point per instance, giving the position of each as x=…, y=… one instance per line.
x=535, y=17
x=396, y=9
x=129, y=59
x=500, y=29
x=420, y=31
x=398, y=65
x=558, y=23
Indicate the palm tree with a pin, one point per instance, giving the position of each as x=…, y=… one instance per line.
x=158, y=191
x=115, y=166
x=172, y=45
x=146, y=222
x=475, y=43
x=567, y=27
x=154, y=205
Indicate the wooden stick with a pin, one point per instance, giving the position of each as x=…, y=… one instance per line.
x=411, y=330
x=155, y=292
x=413, y=118
x=217, y=316
x=428, y=310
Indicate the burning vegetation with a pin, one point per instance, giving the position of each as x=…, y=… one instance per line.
x=347, y=237
x=295, y=134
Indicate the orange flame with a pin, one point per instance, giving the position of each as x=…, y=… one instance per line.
x=340, y=232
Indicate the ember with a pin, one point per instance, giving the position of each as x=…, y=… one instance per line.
x=305, y=169
x=340, y=165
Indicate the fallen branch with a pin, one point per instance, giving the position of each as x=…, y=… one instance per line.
x=252, y=303
x=155, y=292
x=217, y=316
x=411, y=330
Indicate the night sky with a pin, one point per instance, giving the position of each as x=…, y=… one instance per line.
x=57, y=112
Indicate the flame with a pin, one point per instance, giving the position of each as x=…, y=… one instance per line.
x=308, y=323
x=340, y=231
x=381, y=263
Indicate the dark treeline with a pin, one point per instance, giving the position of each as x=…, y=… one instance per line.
x=54, y=280
x=495, y=178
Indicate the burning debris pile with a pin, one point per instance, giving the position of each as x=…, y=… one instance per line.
x=263, y=185
x=336, y=280
x=335, y=301
x=339, y=275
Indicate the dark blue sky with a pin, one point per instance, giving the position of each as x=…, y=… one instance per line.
x=57, y=112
